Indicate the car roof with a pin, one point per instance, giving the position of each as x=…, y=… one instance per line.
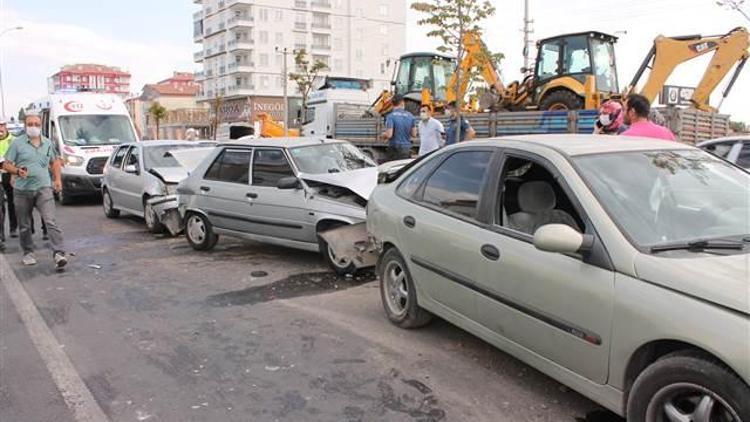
x=168, y=142
x=281, y=142
x=735, y=138
x=577, y=144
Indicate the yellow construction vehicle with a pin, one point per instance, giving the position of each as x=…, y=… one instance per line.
x=669, y=52
x=572, y=72
x=270, y=128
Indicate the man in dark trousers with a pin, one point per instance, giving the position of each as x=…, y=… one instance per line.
x=7, y=189
x=399, y=130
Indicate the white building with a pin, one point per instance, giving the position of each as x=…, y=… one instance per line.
x=356, y=38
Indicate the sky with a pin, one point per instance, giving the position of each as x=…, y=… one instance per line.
x=152, y=38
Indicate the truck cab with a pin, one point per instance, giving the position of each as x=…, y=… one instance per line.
x=85, y=128
x=335, y=96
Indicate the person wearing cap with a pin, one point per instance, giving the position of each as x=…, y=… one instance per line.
x=399, y=130
x=6, y=193
x=30, y=158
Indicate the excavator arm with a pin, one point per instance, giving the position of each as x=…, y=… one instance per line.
x=668, y=53
x=475, y=56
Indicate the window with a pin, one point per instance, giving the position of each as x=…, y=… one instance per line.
x=743, y=160
x=264, y=59
x=549, y=62
x=279, y=38
x=409, y=187
x=279, y=15
x=338, y=44
x=264, y=81
x=270, y=166
x=232, y=166
x=457, y=184
x=604, y=66
x=264, y=37
x=264, y=15
x=530, y=197
x=721, y=149
x=577, y=58
x=133, y=157
x=118, y=157
x=383, y=10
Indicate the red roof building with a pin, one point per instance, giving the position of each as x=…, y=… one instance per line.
x=91, y=77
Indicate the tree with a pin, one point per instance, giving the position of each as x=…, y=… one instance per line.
x=157, y=112
x=736, y=5
x=738, y=127
x=21, y=115
x=450, y=20
x=306, y=74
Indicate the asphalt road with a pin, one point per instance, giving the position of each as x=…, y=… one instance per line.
x=247, y=332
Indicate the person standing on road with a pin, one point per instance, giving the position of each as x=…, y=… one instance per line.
x=611, y=120
x=430, y=130
x=30, y=158
x=399, y=130
x=637, y=111
x=6, y=193
x=467, y=132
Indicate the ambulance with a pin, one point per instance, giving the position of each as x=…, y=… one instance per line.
x=85, y=127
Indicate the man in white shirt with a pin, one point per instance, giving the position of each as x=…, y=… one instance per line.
x=430, y=132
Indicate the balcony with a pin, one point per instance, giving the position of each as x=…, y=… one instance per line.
x=240, y=21
x=240, y=90
x=197, y=16
x=300, y=26
x=197, y=1
x=198, y=56
x=325, y=4
x=231, y=3
x=300, y=4
x=200, y=75
x=244, y=67
x=300, y=47
x=321, y=25
x=211, y=52
x=234, y=45
x=323, y=47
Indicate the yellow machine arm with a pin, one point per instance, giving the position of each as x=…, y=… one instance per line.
x=475, y=56
x=667, y=53
x=269, y=128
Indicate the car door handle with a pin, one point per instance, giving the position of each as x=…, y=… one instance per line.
x=490, y=252
x=251, y=195
x=410, y=222
x=205, y=188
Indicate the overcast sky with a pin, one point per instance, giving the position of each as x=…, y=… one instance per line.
x=151, y=38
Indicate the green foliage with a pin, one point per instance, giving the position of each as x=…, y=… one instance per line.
x=306, y=73
x=157, y=112
x=738, y=127
x=450, y=18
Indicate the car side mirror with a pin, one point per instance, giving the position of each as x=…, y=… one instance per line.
x=561, y=238
x=289, y=182
x=131, y=168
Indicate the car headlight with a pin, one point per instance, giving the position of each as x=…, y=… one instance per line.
x=73, y=160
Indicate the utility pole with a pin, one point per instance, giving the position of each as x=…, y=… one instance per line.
x=459, y=99
x=285, y=52
x=527, y=31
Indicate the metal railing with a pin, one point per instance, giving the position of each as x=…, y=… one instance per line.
x=302, y=4
x=321, y=47
x=320, y=3
x=300, y=25
x=321, y=25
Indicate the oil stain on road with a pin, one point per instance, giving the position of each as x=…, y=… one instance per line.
x=299, y=285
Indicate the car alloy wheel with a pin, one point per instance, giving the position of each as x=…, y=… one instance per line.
x=342, y=263
x=682, y=402
x=196, y=229
x=108, y=205
x=397, y=289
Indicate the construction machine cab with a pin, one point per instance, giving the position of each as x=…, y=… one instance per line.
x=420, y=73
x=575, y=71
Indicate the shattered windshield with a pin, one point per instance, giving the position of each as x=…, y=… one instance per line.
x=330, y=158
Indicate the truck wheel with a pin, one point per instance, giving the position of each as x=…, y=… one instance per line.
x=560, y=101
x=398, y=293
x=688, y=387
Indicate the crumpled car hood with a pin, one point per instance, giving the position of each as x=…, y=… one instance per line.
x=191, y=158
x=362, y=181
x=723, y=280
x=170, y=174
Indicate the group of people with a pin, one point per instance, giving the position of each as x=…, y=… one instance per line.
x=31, y=173
x=633, y=118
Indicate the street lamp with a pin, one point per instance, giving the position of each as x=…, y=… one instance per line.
x=2, y=90
x=285, y=51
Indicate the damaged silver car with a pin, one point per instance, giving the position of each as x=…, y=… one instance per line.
x=141, y=178
x=291, y=192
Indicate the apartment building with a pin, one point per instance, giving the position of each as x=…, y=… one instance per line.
x=240, y=42
x=91, y=77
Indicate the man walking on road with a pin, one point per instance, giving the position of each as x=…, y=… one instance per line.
x=30, y=158
x=430, y=132
x=5, y=197
x=399, y=130
x=466, y=131
x=637, y=111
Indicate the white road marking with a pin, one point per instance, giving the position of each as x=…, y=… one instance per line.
x=72, y=388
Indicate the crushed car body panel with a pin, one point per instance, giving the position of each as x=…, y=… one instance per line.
x=362, y=181
x=352, y=242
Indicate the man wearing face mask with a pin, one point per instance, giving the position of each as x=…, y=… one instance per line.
x=430, y=132
x=30, y=158
x=466, y=131
x=611, y=119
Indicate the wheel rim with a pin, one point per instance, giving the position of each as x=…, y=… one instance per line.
x=338, y=262
x=107, y=203
x=685, y=402
x=396, y=289
x=196, y=229
x=558, y=107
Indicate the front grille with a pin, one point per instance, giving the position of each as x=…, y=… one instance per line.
x=96, y=165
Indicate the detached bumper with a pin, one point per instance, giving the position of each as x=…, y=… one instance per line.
x=353, y=242
x=165, y=208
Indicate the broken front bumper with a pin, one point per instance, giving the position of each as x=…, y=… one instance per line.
x=167, y=213
x=353, y=242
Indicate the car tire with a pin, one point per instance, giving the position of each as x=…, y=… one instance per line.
x=109, y=207
x=398, y=294
x=63, y=198
x=681, y=383
x=199, y=232
x=341, y=267
x=152, y=223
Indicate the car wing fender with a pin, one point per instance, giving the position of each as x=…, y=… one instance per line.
x=352, y=241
